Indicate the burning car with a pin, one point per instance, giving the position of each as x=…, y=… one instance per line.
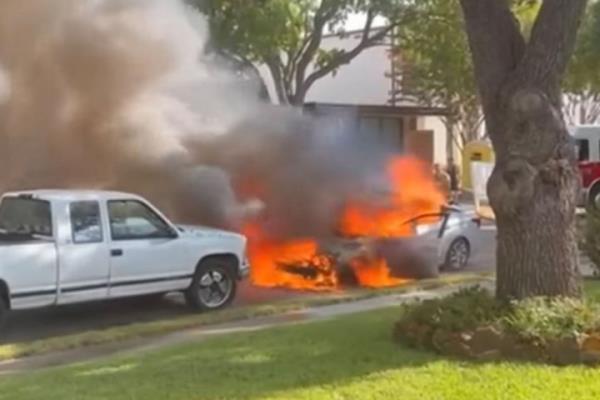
x=439, y=242
x=404, y=233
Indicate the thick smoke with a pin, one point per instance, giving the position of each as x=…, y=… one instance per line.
x=118, y=94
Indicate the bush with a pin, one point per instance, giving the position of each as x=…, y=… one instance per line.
x=590, y=239
x=542, y=319
x=473, y=324
x=462, y=311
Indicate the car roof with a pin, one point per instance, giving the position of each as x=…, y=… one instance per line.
x=72, y=194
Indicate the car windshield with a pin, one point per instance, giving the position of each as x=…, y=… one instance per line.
x=20, y=216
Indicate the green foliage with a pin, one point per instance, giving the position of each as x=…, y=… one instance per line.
x=436, y=64
x=584, y=68
x=462, y=311
x=538, y=320
x=435, y=60
x=543, y=319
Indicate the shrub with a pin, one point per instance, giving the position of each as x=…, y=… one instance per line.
x=543, y=319
x=462, y=311
x=473, y=324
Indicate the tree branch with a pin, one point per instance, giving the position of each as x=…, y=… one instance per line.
x=325, y=12
x=244, y=66
x=496, y=44
x=552, y=41
x=274, y=65
x=341, y=59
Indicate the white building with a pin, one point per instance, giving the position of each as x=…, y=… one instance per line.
x=366, y=83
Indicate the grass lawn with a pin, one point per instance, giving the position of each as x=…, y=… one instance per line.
x=592, y=289
x=352, y=357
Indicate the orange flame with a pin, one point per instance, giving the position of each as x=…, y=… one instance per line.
x=299, y=264
x=374, y=273
x=413, y=193
x=293, y=264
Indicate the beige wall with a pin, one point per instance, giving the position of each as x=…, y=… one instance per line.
x=364, y=82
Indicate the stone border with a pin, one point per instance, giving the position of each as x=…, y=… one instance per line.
x=489, y=343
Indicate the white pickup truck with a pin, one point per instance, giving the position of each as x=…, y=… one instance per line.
x=61, y=247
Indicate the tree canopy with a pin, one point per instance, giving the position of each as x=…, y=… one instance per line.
x=582, y=83
x=435, y=66
x=287, y=37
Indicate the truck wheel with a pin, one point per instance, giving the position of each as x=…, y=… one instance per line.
x=594, y=198
x=213, y=286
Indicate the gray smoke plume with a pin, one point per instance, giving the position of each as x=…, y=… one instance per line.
x=119, y=94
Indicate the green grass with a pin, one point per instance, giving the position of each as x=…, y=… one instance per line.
x=348, y=358
x=148, y=329
x=592, y=289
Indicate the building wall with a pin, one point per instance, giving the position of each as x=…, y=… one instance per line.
x=435, y=124
x=365, y=82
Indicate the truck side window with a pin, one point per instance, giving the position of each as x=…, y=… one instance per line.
x=85, y=222
x=583, y=149
x=131, y=220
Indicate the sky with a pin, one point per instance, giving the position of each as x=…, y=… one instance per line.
x=357, y=21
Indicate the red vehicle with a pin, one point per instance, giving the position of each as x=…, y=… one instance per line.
x=587, y=139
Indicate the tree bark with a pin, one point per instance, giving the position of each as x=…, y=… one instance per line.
x=533, y=187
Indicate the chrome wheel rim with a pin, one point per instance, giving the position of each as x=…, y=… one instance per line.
x=596, y=201
x=458, y=255
x=215, y=288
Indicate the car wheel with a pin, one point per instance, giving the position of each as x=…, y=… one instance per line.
x=458, y=255
x=213, y=286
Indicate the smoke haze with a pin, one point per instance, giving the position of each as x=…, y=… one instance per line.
x=119, y=94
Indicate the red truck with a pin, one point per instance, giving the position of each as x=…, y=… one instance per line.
x=587, y=140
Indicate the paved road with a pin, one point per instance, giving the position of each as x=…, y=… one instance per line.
x=44, y=323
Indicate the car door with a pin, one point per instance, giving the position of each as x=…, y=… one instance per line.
x=84, y=263
x=147, y=253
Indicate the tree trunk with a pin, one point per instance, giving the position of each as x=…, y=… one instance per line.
x=533, y=187
x=533, y=193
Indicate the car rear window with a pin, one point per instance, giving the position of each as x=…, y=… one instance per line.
x=25, y=216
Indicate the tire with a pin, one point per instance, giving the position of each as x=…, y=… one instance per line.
x=594, y=198
x=214, y=285
x=457, y=256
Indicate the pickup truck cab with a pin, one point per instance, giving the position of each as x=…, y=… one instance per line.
x=62, y=247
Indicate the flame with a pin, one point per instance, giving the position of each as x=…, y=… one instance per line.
x=413, y=192
x=374, y=273
x=293, y=264
x=300, y=263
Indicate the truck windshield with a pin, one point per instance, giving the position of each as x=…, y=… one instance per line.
x=19, y=216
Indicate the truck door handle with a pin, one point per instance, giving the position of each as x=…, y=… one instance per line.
x=116, y=253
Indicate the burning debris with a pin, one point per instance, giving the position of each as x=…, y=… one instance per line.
x=119, y=94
